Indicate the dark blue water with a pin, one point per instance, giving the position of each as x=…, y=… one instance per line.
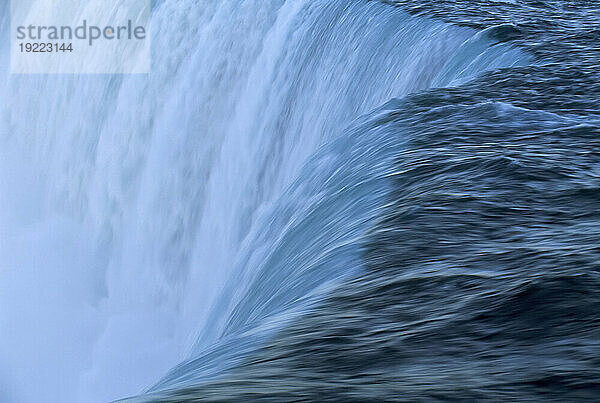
x=480, y=275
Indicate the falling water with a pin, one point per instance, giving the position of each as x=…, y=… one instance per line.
x=137, y=210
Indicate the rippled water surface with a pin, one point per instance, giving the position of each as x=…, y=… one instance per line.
x=479, y=275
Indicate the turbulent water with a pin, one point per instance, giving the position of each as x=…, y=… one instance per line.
x=310, y=200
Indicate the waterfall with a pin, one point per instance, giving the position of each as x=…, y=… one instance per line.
x=138, y=211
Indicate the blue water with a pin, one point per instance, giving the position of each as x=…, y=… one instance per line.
x=309, y=200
